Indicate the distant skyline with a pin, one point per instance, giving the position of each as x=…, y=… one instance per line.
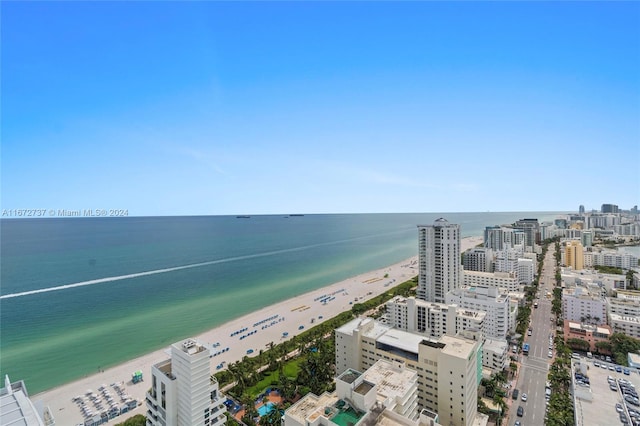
x=206, y=108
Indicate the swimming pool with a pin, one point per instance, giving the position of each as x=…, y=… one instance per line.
x=266, y=409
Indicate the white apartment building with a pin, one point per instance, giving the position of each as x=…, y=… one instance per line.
x=449, y=368
x=183, y=393
x=495, y=354
x=593, y=280
x=439, y=260
x=629, y=325
x=579, y=305
x=604, y=257
x=606, y=221
x=478, y=259
x=625, y=303
x=504, y=281
x=501, y=238
x=526, y=270
x=628, y=229
x=489, y=300
x=432, y=319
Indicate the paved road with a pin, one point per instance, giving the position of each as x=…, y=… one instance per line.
x=534, y=368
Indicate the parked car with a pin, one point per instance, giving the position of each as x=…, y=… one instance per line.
x=550, y=354
x=520, y=411
x=626, y=371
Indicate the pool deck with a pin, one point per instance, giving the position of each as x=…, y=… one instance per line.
x=272, y=397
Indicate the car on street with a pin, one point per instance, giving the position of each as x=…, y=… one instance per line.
x=520, y=412
x=524, y=397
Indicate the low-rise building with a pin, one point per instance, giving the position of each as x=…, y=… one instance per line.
x=593, y=280
x=625, y=303
x=629, y=325
x=608, y=257
x=587, y=332
x=495, y=354
x=505, y=281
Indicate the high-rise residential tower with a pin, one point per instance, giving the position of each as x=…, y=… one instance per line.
x=183, y=392
x=574, y=255
x=439, y=258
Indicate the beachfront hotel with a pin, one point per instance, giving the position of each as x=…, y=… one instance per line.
x=183, y=392
x=449, y=368
x=439, y=260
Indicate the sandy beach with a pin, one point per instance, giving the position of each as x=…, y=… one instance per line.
x=267, y=325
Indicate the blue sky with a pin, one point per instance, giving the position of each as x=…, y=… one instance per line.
x=171, y=108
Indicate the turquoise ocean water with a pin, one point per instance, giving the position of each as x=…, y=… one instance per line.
x=203, y=272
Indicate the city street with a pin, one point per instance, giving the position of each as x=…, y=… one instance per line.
x=534, y=368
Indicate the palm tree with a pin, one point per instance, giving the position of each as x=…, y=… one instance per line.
x=250, y=411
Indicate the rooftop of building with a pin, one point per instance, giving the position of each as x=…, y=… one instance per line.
x=403, y=340
x=16, y=407
x=371, y=328
x=602, y=329
x=480, y=292
x=329, y=406
x=190, y=346
x=165, y=368
x=583, y=292
x=349, y=375
x=495, y=345
x=624, y=318
x=455, y=346
x=632, y=295
x=391, y=381
x=503, y=275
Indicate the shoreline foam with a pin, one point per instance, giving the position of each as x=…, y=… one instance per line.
x=296, y=311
